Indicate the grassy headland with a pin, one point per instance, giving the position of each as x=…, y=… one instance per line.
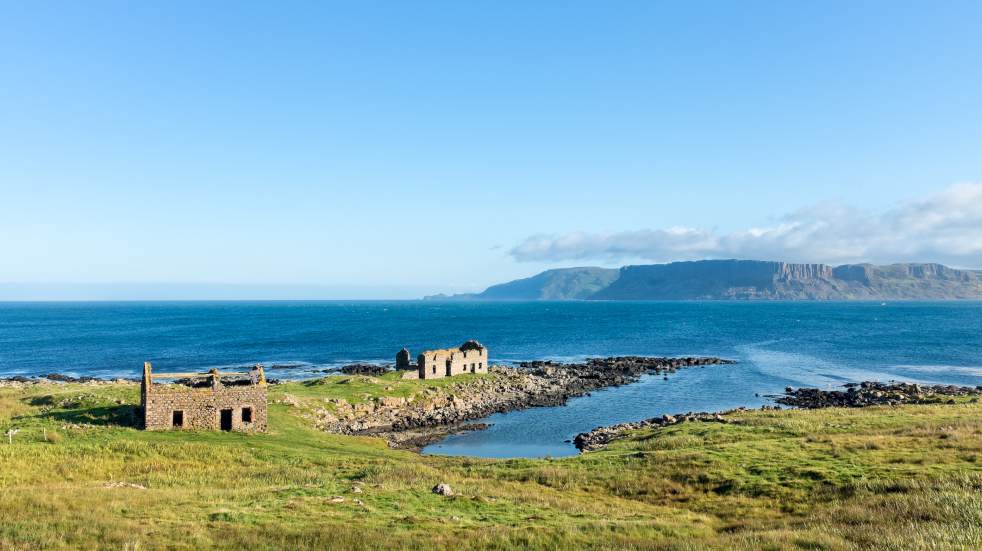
x=80, y=475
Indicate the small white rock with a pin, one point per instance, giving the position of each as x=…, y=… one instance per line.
x=443, y=489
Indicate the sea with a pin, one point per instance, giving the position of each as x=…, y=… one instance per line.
x=775, y=344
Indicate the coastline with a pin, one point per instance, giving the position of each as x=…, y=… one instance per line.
x=426, y=414
x=430, y=414
x=422, y=420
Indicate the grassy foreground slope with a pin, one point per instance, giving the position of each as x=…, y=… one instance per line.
x=78, y=476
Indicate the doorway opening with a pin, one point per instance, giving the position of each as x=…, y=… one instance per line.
x=226, y=420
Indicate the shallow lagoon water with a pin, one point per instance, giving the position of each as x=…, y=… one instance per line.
x=824, y=344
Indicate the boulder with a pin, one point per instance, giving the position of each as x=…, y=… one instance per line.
x=443, y=489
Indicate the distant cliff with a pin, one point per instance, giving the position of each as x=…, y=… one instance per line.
x=743, y=279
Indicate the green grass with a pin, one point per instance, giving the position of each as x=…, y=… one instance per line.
x=892, y=478
x=361, y=388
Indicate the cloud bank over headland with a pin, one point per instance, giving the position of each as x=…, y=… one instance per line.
x=945, y=227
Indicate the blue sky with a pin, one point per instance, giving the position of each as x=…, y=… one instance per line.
x=391, y=149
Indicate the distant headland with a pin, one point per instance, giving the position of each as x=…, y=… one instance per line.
x=740, y=280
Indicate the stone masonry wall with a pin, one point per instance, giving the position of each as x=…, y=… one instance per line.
x=202, y=406
x=433, y=363
x=469, y=361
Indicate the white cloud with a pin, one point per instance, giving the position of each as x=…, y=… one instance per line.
x=946, y=227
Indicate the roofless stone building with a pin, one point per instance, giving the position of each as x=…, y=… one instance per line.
x=470, y=357
x=234, y=401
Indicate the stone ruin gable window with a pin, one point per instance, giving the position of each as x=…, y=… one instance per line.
x=177, y=418
x=247, y=414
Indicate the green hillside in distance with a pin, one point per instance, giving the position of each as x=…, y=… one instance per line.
x=559, y=284
x=742, y=280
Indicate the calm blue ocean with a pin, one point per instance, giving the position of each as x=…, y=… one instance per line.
x=777, y=344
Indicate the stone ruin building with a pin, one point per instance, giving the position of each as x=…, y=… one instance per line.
x=232, y=401
x=470, y=357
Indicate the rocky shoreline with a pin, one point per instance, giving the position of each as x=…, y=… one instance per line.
x=414, y=423
x=870, y=393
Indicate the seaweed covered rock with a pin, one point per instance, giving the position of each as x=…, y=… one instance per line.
x=372, y=370
x=871, y=393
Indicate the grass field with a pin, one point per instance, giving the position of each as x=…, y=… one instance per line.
x=79, y=475
x=360, y=388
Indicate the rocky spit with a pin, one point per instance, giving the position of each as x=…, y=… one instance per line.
x=418, y=421
x=598, y=438
x=20, y=381
x=871, y=393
